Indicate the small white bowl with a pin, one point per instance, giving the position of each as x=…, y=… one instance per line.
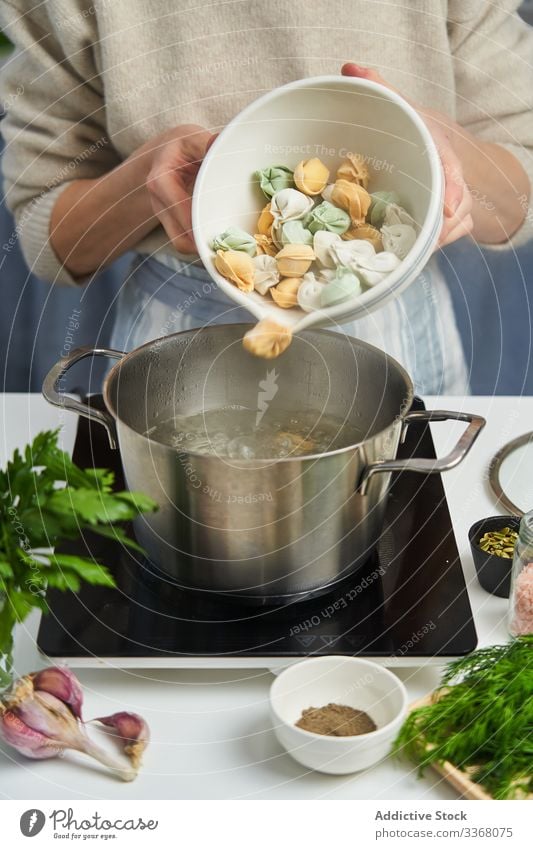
x=347, y=681
x=325, y=117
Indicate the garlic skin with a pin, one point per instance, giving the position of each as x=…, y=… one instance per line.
x=294, y=260
x=237, y=267
x=326, y=216
x=265, y=221
x=310, y=292
x=285, y=294
x=266, y=273
x=265, y=245
x=274, y=179
x=353, y=198
x=354, y=169
x=133, y=733
x=289, y=205
x=267, y=339
x=344, y=286
x=310, y=176
x=235, y=239
x=398, y=238
x=373, y=270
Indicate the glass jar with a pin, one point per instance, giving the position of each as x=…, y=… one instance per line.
x=521, y=597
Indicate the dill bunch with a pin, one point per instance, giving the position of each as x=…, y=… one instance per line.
x=481, y=720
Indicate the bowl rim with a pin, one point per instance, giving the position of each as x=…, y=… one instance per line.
x=369, y=735
x=476, y=527
x=375, y=297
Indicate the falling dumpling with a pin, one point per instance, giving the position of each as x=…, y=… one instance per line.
x=398, y=238
x=267, y=339
x=235, y=239
x=310, y=292
x=289, y=205
x=266, y=273
x=323, y=241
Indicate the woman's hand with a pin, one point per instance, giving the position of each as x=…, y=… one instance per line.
x=176, y=158
x=458, y=201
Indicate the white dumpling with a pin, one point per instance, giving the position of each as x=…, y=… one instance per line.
x=310, y=292
x=290, y=204
x=398, y=238
x=374, y=269
x=266, y=273
x=350, y=253
x=328, y=191
x=395, y=214
x=323, y=241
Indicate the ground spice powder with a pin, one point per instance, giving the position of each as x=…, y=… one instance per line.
x=336, y=721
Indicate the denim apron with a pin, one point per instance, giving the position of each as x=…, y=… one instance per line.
x=164, y=295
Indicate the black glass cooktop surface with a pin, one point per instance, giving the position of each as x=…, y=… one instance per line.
x=408, y=601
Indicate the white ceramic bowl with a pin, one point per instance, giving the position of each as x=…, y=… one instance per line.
x=325, y=117
x=348, y=681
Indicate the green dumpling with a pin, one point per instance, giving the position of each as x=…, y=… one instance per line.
x=235, y=239
x=345, y=285
x=325, y=216
x=275, y=178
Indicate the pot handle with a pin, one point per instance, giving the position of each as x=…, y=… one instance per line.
x=429, y=466
x=55, y=394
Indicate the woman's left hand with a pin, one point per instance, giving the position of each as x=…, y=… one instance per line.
x=457, y=197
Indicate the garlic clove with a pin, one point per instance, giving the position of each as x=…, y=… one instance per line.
x=237, y=267
x=60, y=682
x=310, y=176
x=267, y=339
x=294, y=260
x=354, y=169
x=285, y=294
x=133, y=732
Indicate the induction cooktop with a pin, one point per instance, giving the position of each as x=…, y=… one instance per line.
x=407, y=602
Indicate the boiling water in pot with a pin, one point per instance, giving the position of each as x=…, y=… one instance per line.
x=240, y=433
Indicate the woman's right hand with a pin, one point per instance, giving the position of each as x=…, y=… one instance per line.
x=176, y=158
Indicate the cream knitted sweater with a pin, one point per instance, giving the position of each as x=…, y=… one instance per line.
x=91, y=80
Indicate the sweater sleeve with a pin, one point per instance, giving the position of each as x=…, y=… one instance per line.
x=54, y=126
x=492, y=52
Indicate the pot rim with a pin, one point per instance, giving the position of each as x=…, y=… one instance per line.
x=243, y=463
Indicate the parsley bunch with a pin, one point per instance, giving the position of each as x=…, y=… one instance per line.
x=481, y=720
x=35, y=514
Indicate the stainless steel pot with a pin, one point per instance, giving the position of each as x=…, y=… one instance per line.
x=262, y=529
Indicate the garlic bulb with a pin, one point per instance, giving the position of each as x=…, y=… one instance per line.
x=289, y=204
x=354, y=169
x=294, y=260
x=267, y=339
x=398, y=238
x=266, y=273
x=237, y=267
x=310, y=176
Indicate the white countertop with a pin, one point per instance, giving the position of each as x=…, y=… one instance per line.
x=211, y=731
